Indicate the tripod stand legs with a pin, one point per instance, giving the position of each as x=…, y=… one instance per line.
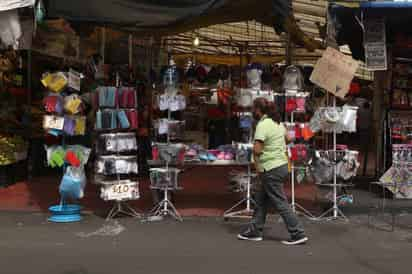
x=121, y=207
x=166, y=208
x=336, y=214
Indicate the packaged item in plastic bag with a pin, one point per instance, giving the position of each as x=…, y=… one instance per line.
x=348, y=118
x=73, y=183
x=162, y=178
x=112, y=165
x=124, y=122
x=55, y=156
x=72, y=104
x=53, y=104
x=55, y=82
x=69, y=125
x=80, y=128
x=53, y=122
x=107, y=96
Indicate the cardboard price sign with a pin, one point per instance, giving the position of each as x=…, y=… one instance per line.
x=118, y=192
x=334, y=72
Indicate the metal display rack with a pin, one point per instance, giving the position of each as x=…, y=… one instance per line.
x=248, y=200
x=165, y=207
x=296, y=207
x=120, y=206
x=334, y=212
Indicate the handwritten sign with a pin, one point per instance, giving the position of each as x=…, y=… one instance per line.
x=334, y=72
x=121, y=191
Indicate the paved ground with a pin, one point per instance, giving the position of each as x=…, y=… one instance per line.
x=31, y=245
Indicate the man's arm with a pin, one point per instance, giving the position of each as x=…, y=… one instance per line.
x=257, y=151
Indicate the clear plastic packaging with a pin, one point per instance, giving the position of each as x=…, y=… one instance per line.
x=164, y=178
x=112, y=165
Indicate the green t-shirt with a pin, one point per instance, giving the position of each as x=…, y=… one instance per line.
x=274, y=145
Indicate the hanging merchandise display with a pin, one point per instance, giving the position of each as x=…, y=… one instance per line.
x=116, y=164
x=65, y=118
x=347, y=164
x=174, y=102
x=335, y=72
x=164, y=179
x=58, y=156
x=334, y=119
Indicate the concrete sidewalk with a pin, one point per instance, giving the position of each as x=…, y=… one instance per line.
x=202, y=245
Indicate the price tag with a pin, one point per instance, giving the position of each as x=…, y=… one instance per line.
x=122, y=191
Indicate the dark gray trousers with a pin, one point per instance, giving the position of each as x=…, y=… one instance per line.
x=271, y=193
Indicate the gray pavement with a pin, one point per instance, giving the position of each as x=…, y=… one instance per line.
x=29, y=244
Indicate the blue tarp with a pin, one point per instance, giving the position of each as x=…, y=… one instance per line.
x=386, y=4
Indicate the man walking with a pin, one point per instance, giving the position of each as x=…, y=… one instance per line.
x=271, y=163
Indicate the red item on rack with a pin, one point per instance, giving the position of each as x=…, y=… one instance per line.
x=133, y=119
x=155, y=154
x=354, y=89
x=291, y=105
x=294, y=154
x=72, y=159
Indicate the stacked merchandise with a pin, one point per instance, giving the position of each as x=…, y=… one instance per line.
x=340, y=163
x=116, y=165
x=64, y=117
x=398, y=179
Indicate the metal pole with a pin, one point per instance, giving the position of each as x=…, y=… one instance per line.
x=293, y=177
x=248, y=188
x=289, y=50
x=103, y=44
x=29, y=91
x=335, y=203
x=130, y=50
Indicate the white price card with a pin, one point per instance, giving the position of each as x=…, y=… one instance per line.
x=122, y=191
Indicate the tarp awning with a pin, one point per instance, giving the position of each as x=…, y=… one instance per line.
x=15, y=4
x=171, y=15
